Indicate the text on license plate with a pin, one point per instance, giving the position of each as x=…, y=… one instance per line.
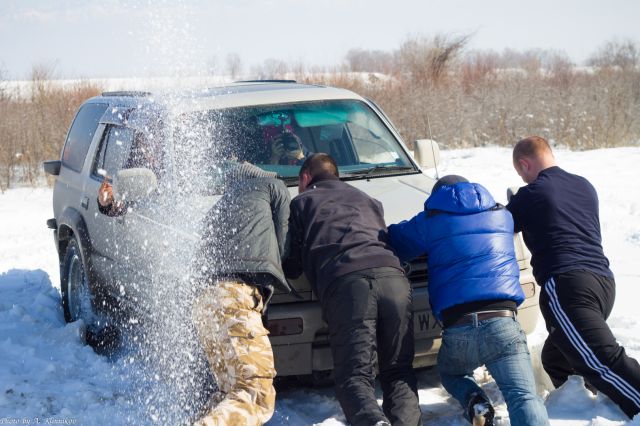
x=425, y=323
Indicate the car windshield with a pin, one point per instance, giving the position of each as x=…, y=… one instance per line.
x=279, y=137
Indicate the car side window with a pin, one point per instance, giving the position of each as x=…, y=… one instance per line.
x=113, y=152
x=81, y=134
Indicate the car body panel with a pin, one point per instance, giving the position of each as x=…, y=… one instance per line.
x=166, y=227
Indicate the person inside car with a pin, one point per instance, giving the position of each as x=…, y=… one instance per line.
x=143, y=154
x=285, y=146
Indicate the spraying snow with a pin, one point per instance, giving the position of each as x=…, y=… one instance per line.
x=46, y=371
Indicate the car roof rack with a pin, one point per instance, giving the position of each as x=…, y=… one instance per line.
x=132, y=93
x=265, y=81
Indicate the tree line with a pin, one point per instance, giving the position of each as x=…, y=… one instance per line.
x=431, y=87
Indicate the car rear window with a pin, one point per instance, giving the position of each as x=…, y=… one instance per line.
x=81, y=134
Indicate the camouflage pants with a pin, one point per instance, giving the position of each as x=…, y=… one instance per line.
x=228, y=320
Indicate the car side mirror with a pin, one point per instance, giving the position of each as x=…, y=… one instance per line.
x=134, y=184
x=52, y=167
x=511, y=191
x=426, y=153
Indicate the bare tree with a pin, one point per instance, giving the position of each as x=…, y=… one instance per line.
x=3, y=82
x=212, y=65
x=621, y=54
x=273, y=69
x=360, y=60
x=233, y=65
x=428, y=59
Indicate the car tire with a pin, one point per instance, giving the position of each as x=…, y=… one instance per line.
x=74, y=285
x=78, y=301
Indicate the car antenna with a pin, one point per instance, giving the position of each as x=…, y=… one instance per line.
x=435, y=163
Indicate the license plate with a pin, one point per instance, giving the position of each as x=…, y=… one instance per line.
x=425, y=324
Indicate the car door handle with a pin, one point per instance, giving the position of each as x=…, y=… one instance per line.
x=85, y=203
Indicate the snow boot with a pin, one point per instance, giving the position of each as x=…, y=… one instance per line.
x=480, y=411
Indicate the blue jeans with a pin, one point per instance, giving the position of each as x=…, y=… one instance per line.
x=500, y=345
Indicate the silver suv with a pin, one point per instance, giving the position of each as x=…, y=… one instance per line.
x=118, y=260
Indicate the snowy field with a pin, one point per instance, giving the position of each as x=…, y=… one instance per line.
x=47, y=376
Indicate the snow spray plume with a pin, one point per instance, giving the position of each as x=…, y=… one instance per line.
x=176, y=382
x=172, y=377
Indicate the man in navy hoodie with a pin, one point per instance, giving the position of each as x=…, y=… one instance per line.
x=474, y=291
x=557, y=213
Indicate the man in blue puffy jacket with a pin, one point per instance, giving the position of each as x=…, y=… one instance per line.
x=474, y=290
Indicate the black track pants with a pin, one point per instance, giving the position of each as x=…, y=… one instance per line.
x=575, y=306
x=369, y=311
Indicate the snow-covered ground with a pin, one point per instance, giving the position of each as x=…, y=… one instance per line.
x=48, y=376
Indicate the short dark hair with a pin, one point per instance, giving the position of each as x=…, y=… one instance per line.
x=318, y=164
x=532, y=147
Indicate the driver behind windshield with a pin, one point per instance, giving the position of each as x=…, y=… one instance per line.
x=286, y=147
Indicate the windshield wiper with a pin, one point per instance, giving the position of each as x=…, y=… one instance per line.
x=289, y=179
x=359, y=173
x=382, y=168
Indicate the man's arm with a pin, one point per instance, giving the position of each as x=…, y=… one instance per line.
x=408, y=238
x=280, y=200
x=107, y=205
x=516, y=206
x=292, y=263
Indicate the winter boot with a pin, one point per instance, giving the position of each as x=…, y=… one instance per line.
x=480, y=411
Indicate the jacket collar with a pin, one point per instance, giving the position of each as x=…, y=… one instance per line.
x=323, y=177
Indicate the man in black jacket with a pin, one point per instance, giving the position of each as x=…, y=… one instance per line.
x=243, y=243
x=557, y=213
x=339, y=240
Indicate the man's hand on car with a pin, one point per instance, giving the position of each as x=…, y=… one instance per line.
x=105, y=193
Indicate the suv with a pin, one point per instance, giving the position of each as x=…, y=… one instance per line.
x=120, y=259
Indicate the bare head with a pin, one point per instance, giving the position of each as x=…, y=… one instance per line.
x=531, y=156
x=314, y=166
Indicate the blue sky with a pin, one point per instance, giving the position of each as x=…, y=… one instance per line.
x=126, y=38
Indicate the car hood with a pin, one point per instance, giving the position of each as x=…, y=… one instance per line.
x=401, y=196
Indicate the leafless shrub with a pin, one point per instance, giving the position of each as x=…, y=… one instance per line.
x=270, y=69
x=429, y=87
x=479, y=68
x=233, y=65
x=361, y=60
x=429, y=59
x=33, y=127
x=622, y=54
x=489, y=98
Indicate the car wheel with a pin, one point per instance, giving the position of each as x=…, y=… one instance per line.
x=76, y=296
x=77, y=301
